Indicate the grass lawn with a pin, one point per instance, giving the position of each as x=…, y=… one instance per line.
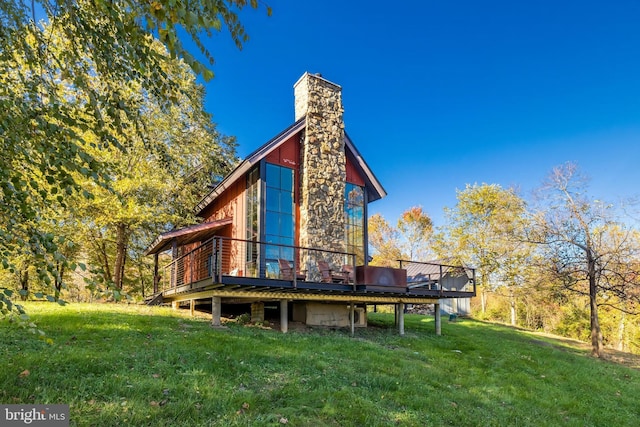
x=119, y=365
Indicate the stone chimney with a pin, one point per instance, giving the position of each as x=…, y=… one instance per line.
x=323, y=163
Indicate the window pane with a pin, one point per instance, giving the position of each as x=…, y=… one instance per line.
x=286, y=225
x=286, y=202
x=286, y=253
x=273, y=199
x=272, y=225
x=287, y=179
x=273, y=175
x=272, y=251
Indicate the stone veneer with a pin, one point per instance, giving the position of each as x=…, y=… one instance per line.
x=323, y=171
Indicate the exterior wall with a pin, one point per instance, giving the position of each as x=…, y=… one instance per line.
x=323, y=163
x=331, y=315
x=353, y=176
x=287, y=154
x=230, y=204
x=459, y=306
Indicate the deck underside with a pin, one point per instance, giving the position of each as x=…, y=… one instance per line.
x=275, y=289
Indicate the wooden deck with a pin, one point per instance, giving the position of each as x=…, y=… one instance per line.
x=201, y=274
x=275, y=289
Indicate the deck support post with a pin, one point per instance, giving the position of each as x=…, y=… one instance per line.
x=352, y=319
x=436, y=312
x=216, y=311
x=192, y=307
x=400, y=311
x=395, y=315
x=174, y=305
x=257, y=312
x=284, y=316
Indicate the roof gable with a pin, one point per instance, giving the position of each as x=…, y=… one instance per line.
x=375, y=189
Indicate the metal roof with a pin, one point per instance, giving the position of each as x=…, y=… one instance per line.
x=184, y=236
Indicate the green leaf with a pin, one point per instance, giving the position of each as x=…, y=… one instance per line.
x=207, y=74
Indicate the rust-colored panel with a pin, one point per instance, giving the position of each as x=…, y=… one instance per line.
x=287, y=154
x=381, y=276
x=353, y=176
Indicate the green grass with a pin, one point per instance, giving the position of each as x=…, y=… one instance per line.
x=118, y=365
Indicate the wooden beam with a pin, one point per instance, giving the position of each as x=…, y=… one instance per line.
x=401, y=319
x=436, y=309
x=372, y=299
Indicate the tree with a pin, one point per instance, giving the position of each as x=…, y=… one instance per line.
x=483, y=231
x=415, y=228
x=147, y=192
x=410, y=240
x=588, y=251
x=43, y=150
x=384, y=242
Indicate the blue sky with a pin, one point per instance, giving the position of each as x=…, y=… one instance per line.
x=440, y=94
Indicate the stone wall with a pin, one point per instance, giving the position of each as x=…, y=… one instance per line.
x=323, y=171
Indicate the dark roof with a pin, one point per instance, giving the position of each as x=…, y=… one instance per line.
x=432, y=270
x=375, y=189
x=184, y=236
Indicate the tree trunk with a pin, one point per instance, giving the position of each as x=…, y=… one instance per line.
x=121, y=255
x=621, y=343
x=483, y=300
x=58, y=278
x=102, y=250
x=24, y=283
x=596, y=333
x=512, y=304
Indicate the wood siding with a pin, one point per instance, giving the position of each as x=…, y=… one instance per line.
x=287, y=154
x=353, y=176
x=230, y=204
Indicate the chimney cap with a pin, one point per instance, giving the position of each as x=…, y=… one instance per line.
x=317, y=76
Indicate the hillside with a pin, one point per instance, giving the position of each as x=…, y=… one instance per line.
x=129, y=365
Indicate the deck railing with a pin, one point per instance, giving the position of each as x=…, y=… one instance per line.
x=223, y=256
x=440, y=277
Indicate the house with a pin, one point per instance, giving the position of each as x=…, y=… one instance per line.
x=288, y=228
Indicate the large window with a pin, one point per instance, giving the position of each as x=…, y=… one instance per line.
x=354, y=220
x=279, y=215
x=253, y=207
